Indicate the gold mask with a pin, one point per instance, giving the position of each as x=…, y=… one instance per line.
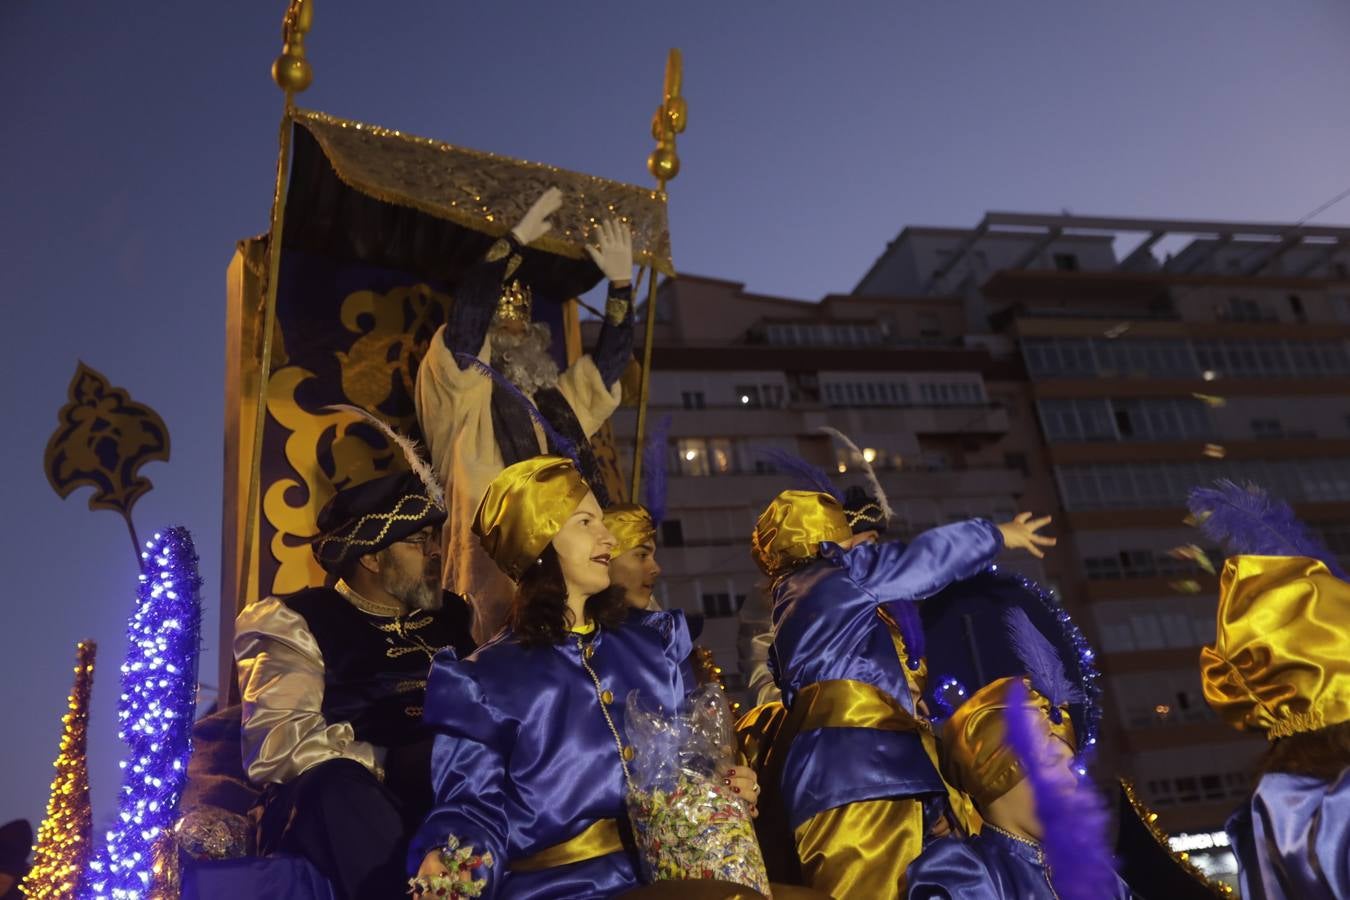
x=524, y=508
x=976, y=759
x=1280, y=664
x=792, y=528
x=631, y=526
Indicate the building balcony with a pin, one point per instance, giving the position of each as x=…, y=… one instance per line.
x=736, y=489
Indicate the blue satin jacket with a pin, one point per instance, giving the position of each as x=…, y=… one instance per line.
x=992, y=865
x=826, y=627
x=524, y=759
x=1292, y=840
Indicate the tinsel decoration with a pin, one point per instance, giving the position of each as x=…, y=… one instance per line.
x=155, y=713
x=65, y=836
x=1089, y=677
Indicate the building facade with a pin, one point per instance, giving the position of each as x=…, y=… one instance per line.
x=1095, y=369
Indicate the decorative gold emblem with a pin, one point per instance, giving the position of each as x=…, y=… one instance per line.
x=102, y=441
x=515, y=305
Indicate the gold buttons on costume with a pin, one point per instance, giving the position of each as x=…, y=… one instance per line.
x=588, y=652
x=607, y=697
x=627, y=754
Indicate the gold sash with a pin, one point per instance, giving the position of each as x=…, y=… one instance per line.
x=601, y=838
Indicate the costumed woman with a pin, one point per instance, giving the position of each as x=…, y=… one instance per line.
x=1010, y=747
x=858, y=825
x=530, y=764
x=1280, y=666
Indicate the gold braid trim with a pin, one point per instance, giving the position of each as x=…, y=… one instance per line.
x=1150, y=820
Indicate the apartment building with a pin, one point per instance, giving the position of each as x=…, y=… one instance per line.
x=1092, y=368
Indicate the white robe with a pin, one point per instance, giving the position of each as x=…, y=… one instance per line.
x=454, y=408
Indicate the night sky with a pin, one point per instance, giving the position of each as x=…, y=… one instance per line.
x=139, y=143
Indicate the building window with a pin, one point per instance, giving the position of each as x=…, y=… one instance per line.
x=1016, y=461
x=693, y=457
x=1066, y=262
x=693, y=400
x=747, y=395
x=720, y=457
x=717, y=606
x=929, y=327
x=1296, y=307
x=672, y=533
x=1267, y=428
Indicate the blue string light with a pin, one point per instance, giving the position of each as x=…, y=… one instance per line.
x=155, y=715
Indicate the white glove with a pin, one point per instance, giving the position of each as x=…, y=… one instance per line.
x=535, y=224
x=613, y=252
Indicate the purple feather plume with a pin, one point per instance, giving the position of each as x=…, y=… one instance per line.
x=655, y=462
x=1073, y=818
x=906, y=615
x=1040, y=659
x=566, y=447
x=1244, y=519
x=812, y=477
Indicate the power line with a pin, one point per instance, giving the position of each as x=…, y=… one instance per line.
x=1324, y=207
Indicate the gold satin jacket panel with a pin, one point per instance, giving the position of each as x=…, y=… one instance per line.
x=600, y=838
x=1281, y=661
x=860, y=851
x=281, y=678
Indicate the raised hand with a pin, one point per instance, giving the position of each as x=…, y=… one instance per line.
x=613, y=251
x=1021, y=534
x=535, y=224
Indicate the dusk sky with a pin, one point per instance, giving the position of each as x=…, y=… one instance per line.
x=139, y=143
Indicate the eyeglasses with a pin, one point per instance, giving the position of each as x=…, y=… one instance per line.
x=420, y=539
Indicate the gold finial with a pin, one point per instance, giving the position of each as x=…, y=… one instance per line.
x=670, y=120
x=291, y=70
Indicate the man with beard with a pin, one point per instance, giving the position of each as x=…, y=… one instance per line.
x=332, y=682
x=475, y=426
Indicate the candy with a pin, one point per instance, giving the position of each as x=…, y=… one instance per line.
x=688, y=821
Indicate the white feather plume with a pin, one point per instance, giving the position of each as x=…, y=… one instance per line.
x=411, y=452
x=868, y=472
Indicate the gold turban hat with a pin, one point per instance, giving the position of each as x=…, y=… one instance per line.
x=1281, y=661
x=975, y=756
x=631, y=525
x=524, y=508
x=792, y=528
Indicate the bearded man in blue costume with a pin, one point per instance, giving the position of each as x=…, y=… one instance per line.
x=530, y=766
x=856, y=775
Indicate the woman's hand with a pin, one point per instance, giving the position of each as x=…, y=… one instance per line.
x=1020, y=534
x=431, y=866
x=744, y=784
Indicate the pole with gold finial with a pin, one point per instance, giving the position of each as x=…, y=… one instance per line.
x=292, y=73
x=664, y=164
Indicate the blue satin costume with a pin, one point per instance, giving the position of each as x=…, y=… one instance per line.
x=827, y=628
x=524, y=759
x=992, y=865
x=1292, y=840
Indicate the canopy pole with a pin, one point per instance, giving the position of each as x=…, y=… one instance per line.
x=292, y=73
x=664, y=164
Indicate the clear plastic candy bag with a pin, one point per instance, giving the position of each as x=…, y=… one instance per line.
x=687, y=823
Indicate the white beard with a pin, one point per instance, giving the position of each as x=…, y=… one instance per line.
x=523, y=358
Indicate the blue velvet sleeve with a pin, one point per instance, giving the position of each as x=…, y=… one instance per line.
x=948, y=869
x=674, y=628
x=933, y=560
x=1297, y=843
x=614, y=346
x=468, y=768
x=475, y=298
